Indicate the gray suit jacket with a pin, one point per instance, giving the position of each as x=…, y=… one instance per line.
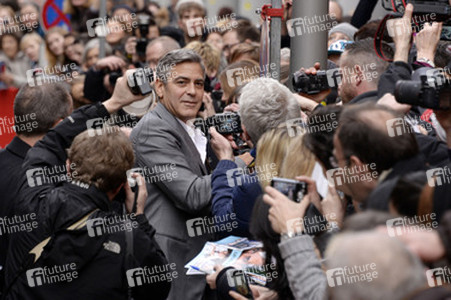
x=175, y=194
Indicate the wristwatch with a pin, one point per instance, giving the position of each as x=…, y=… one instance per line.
x=290, y=234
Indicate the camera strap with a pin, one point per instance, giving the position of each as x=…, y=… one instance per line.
x=378, y=39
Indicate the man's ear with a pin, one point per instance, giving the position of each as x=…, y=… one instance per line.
x=68, y=168
x=159, y=87
x=355, y=161
x=246, y=137
x=359, y=75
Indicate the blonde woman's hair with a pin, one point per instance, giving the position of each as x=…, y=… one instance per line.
x=280, y=155
x=298, y=159
x=271, y=150
x=51, y=58
x=30, y=37
x=210, y=56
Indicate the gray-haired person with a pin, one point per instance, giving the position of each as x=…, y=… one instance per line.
x=172, y=153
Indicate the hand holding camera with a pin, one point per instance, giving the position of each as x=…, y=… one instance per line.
x=122, y=95
x=283, y=210
x=312, y=83
x=135, y=180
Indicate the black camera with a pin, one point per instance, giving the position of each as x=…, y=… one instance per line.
x=438, y=7
x=225, y=123
x=432, y=90
x=293, y=189
x=140, y=81
x=143, y=27
x=310, y=84
x=431, y=10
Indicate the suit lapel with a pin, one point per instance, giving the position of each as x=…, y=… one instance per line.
x=172, y=122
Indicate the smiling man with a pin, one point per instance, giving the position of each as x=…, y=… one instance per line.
x=165, y=141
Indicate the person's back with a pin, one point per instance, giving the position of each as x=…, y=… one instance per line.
x=89, y=262
x=36, y=110
x=76, y=236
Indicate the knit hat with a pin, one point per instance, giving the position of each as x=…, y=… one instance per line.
x=345, y=28
x=181, y=2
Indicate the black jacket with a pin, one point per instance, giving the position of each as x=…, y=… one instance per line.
x=370, y=96
x=11, y=159
x=99, y=260
x=380, y=196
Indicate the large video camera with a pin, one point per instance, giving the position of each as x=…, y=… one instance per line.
x=432, y=90
x=431, y=10
x=310, y=84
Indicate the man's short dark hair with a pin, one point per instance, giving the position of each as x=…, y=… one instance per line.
x=40, y=106
x=246, y=30
x=363, y=132
x=362, y=53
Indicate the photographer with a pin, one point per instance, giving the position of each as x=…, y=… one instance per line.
x=36, y=111
x=66, y=207
x=147, y=30
x=97, y=87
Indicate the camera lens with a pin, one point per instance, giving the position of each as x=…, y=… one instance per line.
x=408, y=92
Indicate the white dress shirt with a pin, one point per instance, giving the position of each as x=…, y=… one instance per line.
x=198, y=138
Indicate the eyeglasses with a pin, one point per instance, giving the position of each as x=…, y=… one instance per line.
x=334, y=161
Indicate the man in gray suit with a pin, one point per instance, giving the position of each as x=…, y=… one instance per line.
x=172, y=152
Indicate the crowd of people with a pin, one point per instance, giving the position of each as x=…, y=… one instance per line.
x=110, y=174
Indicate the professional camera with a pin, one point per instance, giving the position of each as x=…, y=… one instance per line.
x=225, y=124
x=424, y=11
x=310, y=84
x=140, y=81
x=432, y=90
x=143, y=27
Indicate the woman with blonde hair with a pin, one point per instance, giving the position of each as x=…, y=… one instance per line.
x=273, y=148
x=54, y=41
x=288, y=156
x=32, y=45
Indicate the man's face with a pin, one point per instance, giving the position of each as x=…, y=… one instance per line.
x=153, y=55
x=336, y=36
x=230, y=40
x=347, y=88
x=359, y=179
x=182, y=95
x=341, y=162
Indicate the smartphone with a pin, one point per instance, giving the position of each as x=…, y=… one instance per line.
x=293, y=189
x=2, y=67
x=239, y=282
